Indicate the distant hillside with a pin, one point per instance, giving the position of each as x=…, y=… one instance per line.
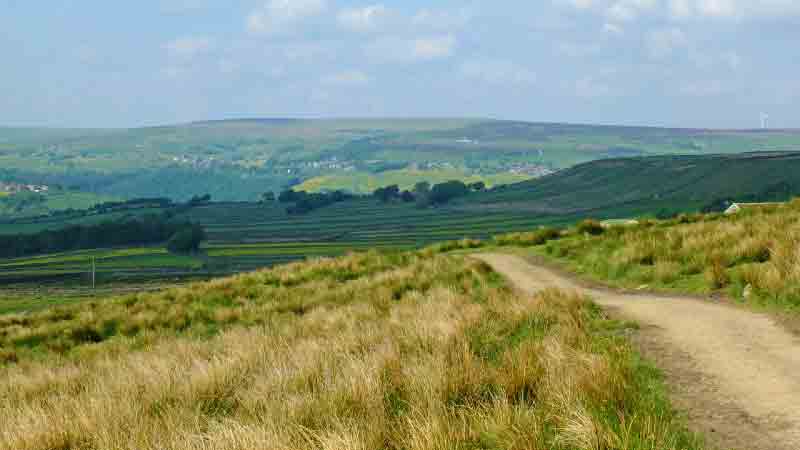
x=620, y=187
x=241, y=159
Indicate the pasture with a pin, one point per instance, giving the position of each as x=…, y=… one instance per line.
x=249, y=236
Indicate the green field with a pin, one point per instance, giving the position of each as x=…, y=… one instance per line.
x=621, y=188
x=27, y=204
x=365, y=183
x=246, y=236
x=239, y=160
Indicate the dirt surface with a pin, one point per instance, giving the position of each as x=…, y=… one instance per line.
x=735, y=373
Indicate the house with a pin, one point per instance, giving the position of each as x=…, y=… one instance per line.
x=739, y=207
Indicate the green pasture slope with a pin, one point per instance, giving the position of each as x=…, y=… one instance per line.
x=365, y=182
x=16, y=205
x=246, y=236
x=237, y=160
x=621, y=188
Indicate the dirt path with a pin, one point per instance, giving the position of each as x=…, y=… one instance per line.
x=736, y=373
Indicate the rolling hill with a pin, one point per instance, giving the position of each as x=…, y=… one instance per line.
x=246, y=236
x=618, y=188
x=236, y=160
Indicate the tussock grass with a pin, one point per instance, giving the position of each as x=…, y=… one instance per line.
x=527, y=239
x=700, y=253
x=402, y=351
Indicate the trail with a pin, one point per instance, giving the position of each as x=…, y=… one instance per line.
x=735, y=373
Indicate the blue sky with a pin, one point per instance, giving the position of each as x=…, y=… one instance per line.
x=688, y=63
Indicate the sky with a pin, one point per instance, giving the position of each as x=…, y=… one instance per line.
x=677, y=63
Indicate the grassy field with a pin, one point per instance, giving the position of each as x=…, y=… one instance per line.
x=753, y=256
x=366, y=183
x=42, y=204
x=248, y=236
x=403, y=351
x=621, y=188
x=241, y=159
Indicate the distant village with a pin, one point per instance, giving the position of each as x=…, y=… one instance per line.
x=13, y=188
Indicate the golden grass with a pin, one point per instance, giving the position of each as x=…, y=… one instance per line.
x=418, y=351
x=701, y=253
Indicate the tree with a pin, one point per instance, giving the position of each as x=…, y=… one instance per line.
x=477, y=186
x=388, y=193
x=200, y=200
x=290, y=196
x=444, y=192
x=187, y=240
x=422, y=191
x=407, y=197
x=422, y=188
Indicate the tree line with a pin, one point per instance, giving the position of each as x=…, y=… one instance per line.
x=423, y=193
x=426, y=195
x=184, y=237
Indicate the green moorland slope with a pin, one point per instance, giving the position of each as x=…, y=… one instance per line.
x=240, y=159
x=247, y=236
x=404, y=351
x=618, y=188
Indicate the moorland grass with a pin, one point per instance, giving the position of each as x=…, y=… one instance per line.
x=396, y=351
x=754, y=255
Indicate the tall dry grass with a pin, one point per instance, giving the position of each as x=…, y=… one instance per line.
x=415, y=351
x=703, y=253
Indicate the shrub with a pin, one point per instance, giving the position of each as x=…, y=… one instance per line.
x=538, y=237
x=717, y=275
x=591, y=227
x=187, y=240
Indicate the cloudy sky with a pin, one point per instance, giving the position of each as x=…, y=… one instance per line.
x=690, y=63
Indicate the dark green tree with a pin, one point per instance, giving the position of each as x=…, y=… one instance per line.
x=477, y=186
x=388, y=193
x=444, y=192
x=187, y=240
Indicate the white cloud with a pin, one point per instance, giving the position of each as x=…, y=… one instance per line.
x=611, y=28
x=497, y=72
x=590, y=87
x=434, y=47
x=173, y=72
x=578, y=4
x=710, y=88
x=717, y=8
x=368, y=18
x=347, y=78
x=441, y=20
x=278, y=16
x=400, y=50
x=630, y=10
x=578, y=50
x=183, y=6
x=733, y=60
x=188, y=47
x=680, y=9
x=227, y=66
x=662, y=43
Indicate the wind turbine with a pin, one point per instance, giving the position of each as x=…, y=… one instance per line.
x=764, y=121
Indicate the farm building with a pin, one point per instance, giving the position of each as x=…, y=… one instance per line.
x=739, y=207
